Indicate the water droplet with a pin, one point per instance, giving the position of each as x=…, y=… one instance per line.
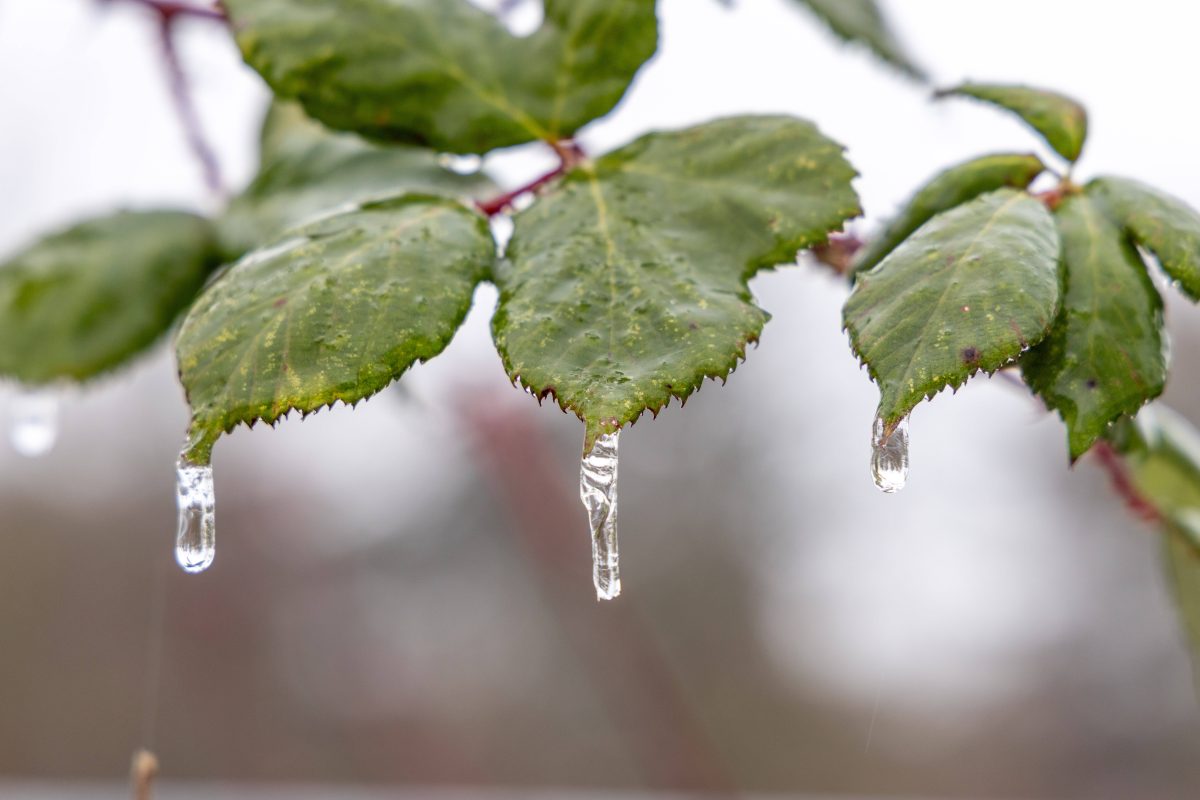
x=34, y=422
x=598, y=489
x=889, y=456
x=463, y=165
x=196, y=539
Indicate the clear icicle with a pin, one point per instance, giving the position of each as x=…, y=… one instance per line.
x=889, y=456
x=196, y=539
x=35, y=422
x=598, y=489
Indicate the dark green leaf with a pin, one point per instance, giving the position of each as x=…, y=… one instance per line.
x=947, y=190
x=336, y=312
x=1104, y=357
x=862, y=21
x=85, y=300
x=308, y=170
x=627, y=282
x=969, y=291
x=444, y=73
x=1061, y=120
x=1164, y=225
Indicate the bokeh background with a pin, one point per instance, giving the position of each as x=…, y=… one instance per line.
x=401, y=594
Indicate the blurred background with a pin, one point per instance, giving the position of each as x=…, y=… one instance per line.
x=402, y=593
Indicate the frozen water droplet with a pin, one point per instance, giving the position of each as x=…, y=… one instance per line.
x=196, y=539
x=598, y=489
x=34, y=422
x=889, y=456
x=463, y=165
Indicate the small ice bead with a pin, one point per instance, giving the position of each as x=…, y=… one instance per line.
x=598, y=490
x=889, y=456
x=34, y=422
x=196, y=538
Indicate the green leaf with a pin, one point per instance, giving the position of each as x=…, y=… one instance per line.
x=1104, y=357
x=1182, y=554
x=87, y=299
x=444, y=73
x=1164, y=225
x=1062, y=121
x=336, y=312
x=947, y=190
x=626, y=283
x=308, y=170
x=969, y=291
x=862, y=21
x=1162, y=452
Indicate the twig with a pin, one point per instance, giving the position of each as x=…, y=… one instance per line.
x=1123, y=484
x=174, y=8
x=181, y=96
x=838, y=252
x=569, y=153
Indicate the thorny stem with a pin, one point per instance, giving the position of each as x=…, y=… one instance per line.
x=570, y=154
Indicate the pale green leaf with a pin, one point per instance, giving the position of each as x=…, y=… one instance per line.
x=863, y=22
x=87, y=299
x=444, y=73
x=1062, y=121
x=1104, y=357
x=336, y=311
x=949, y=189
x=308, y=171
x=626, y=283
x=970, y=290
x=1164, y=225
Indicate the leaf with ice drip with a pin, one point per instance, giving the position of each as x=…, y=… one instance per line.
x=947, y=190
x=86, y=299
x=444, y=73
x=626, y=284
x=1104, y=357
x=1164, y=225
x=1062, y=121
x=308, y=170
x=969, y=291
x=336, y=311
x=863, y=22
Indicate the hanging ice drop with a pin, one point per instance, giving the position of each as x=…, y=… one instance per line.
x=34, y=422
x=889, y=456
x=598, y=489
x=196, y=539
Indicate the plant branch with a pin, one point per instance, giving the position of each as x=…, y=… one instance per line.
x=176, y=8
x=570, y=154
x=1112, y=463
x=185, y=108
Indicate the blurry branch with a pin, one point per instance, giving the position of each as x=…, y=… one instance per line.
x=838, y=253
x=174, y=8
x=169, y=12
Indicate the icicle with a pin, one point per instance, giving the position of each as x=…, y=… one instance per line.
x=889, y=456
x=196, y=539
x=598, y=489
x=35, y=422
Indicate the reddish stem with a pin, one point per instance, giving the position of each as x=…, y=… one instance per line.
x=185, y=108
x=169, y=9
x=838, y=252
x=1123, y=484
x=569, y=153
